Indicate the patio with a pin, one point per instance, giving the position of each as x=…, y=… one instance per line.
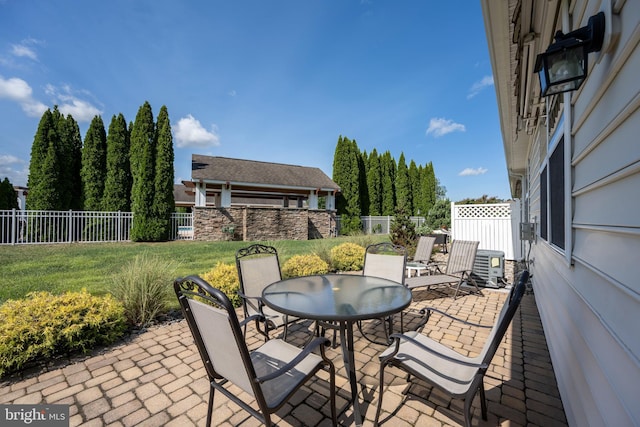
x=156, y=378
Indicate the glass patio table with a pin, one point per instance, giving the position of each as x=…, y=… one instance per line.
x=342, y=298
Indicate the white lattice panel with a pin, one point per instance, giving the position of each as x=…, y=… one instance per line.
x=483, y=211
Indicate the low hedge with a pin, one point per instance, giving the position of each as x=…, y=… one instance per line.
x=45, y=325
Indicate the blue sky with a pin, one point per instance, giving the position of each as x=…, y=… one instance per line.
x=275, y=81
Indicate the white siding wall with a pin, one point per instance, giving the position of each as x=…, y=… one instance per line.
x=591, y=309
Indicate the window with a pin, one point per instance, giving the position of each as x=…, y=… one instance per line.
x=552, y=194
x=556, y=194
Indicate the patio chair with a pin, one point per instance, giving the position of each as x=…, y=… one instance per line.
x=458, y=269
x=258, y=266
x=424, y=250
x=387, y=261
x=457, y=375
x=271, y=374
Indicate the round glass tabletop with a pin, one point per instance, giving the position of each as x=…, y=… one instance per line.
x=337, y=297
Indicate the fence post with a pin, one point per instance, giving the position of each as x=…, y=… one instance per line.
x=13, y=226
x=70, y=227
x=119, y=227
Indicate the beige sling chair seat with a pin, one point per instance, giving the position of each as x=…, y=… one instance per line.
x=434, y=363
x=270, y=374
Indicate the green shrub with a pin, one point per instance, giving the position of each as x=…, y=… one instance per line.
x=225, y=277
x=322, y=248
x=347, y=257
x=44, y=325
x=144, y=286
x=304, y=265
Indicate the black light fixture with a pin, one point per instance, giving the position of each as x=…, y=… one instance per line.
x=564, y=66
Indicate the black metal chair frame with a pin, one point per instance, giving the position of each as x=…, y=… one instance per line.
x=391, y=357
x=193, y=287
x=254, y=302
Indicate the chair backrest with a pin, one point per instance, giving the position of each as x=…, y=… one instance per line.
x=462, y=256
x=216, y=331
x=424, y=249
x=258, y=266
x=385, y=260
x=504, y=318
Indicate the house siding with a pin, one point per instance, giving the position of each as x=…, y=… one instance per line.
x=591, y=309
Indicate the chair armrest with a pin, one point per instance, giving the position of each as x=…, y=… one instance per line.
x=401, y=337
x=256, y=317
x=427, y=313
x=249, y=300
x=318, y=341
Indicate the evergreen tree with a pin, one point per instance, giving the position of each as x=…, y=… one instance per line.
x=346, y=173
x=44, y=167
x=374, y=184
x=8, y=198
x=388, y=172
x=414, y=184
x=74, y=163
x=340, y=172
x=94, y=165
x=117, y=188
x=403, y=186
x=362, y=158
x=164, y=202
x=142, y=160
x=429, y=187
x=403, y=230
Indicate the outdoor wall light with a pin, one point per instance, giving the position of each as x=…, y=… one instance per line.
x=563, y=67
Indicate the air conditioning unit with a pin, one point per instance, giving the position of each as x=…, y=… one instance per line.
x=488, y=270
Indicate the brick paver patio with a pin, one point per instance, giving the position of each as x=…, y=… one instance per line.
x=156, y=378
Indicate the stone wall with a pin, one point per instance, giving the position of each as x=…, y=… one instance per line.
x=322, y=224
x=261, y=223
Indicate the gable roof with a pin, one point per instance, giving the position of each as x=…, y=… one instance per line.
x=250, y=172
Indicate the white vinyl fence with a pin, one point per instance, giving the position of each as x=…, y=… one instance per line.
x=32, y=227
x=495, y=226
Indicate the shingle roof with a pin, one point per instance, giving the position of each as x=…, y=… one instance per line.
x=224, y=169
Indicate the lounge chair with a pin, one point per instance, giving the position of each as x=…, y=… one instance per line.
x=457, y=375
x=462, y=256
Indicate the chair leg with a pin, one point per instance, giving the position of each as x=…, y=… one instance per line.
x=379, y=409
x=483, y=402
x=467, y=411
x=210, y=408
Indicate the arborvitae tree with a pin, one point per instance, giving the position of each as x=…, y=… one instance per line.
x=374, y=184
x=163, y=201
x=346, y=173
x=75, y=164
x=117, y=187
x=8, y=198
x=429, y=187
x=142, y=159
x=340, y=172
x=403, y=186
x=94, y=165
x=416, y=193
x=388, y=172
x=363, y=206
x=44, y=167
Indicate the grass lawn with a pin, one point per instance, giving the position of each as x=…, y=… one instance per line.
x=71, y=267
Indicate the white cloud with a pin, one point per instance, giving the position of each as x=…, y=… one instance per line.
x=473, y=172
x=190, y=133
x=440, y=127
x=479, y=85
x=22, y=50
x=69, y=103
x=232, y=93
x=19, y=91
x=14, y=169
